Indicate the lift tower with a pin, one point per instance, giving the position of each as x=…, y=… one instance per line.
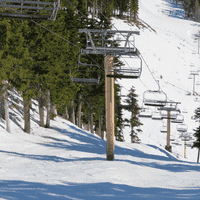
x=110, y=43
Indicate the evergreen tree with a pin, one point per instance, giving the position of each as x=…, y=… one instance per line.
x=197, y=133
x=134, y=109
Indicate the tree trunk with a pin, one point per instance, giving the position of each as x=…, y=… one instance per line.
x=53, y=109
x=27, y=127
x=88, y=124
x=48, y=109
x=6, y=108
x=79, y=110
x=5, y=105
x=2, y=103
x=41, y=108
x=72, y=117
x=101, y=127
x=198, y=157
x=91, y=118
x=66, y=114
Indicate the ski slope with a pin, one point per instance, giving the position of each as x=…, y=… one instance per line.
x=169, y=48
x=66, y=162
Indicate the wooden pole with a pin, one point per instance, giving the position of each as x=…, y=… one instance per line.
x=109, y=101
x=185, y=149
x=168, y=147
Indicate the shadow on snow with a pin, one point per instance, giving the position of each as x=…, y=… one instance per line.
x=83, y=191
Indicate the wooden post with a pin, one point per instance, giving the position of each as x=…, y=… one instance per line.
x=41, y=108
x=79, y=110
x=48, y=106
x=101, y=127
x=185, y=149
x=6, y=108
x=109, y=101
x=168, y=147
x=72, y=117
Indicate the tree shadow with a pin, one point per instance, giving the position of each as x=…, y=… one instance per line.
x=15, y=119
x=14, y=189
x=88, y=143
x=176, y=10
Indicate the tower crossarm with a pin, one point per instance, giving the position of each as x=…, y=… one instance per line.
x=104, y=41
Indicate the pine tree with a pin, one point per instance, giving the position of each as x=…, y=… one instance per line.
x=134, y=109
x=197, y=133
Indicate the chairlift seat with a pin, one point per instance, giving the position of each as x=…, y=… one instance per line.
x=82, y=73
x=156, y=116
x=154, y=98
x=145, y=112
x=90, y=81
x=127, y=71
x=179, y=119
x=173, y=114
x=20, y=9
x=182, y=127
x=163, y=129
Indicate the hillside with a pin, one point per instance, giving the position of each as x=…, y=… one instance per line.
x=168, y=52
x=67, y=162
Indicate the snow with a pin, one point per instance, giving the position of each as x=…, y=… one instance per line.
x=67, y=162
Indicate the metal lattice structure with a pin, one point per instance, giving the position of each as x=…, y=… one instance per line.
x=26, y=9
x=81, y=71
x=113, y=42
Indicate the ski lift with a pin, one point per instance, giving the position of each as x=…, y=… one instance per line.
x=163, y=129
x=156, y=115
x=184, y=111
x=176, y=143
x=82, y=72
x=26, y=9
x=182, y=127
x=127, y=71
x=173, y=114
x=188, y=93
x=179, y=119
x=145, y=112
x=154, y=97
x=172, y=138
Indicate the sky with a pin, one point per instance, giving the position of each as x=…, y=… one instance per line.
x=66, y=162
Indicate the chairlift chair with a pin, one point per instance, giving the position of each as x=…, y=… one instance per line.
x=182, y=127
x=26, y=9
x=173, y=114
x=129, y=71
x=179, y=119
x=156, y=115
x=154, y=98
x=94, y=71
x=145, y=112
x=163, y=129
x=172, y=138
x=184, y=111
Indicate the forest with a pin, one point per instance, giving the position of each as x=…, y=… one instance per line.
x=38, y=58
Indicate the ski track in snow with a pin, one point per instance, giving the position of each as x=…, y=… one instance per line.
x=67, y=162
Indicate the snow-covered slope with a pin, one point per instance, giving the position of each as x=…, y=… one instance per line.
x=169, y=48
x=67, y=162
